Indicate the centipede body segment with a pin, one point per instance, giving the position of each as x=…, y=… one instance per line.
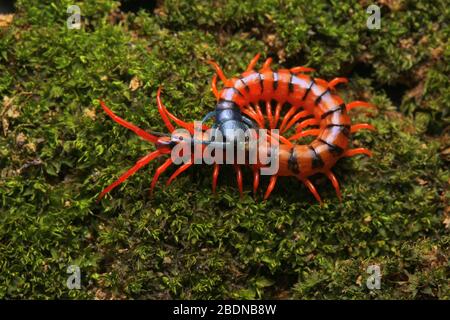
x=286, y=99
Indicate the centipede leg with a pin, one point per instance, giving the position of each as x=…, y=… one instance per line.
x=180, y=170
x=313, y=190
x=260, y=115
x=255, y=179
x=162, y=111
x=301, y=69
x=238, y=170
x=139, y=164
x=280, y=138
x=158, y=172
x=352, y=152
x=218, y=70
x=267, y=64
x=356, y=104
x=333, y=83
x=321, y=82
x=273, y=181
x=253, y=62
x=335, y=184
x=253, y=116
x=214, y=86
x=306, y=123
x=360, y=126
x=310, y=132
x=269, y=114
x=287, y=116
x=215, y=176
x=298, y=116
x=277, y=114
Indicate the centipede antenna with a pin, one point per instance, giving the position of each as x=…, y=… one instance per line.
x=158, y=134
x=138, y=165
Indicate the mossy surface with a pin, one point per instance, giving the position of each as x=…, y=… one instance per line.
x=58, y=150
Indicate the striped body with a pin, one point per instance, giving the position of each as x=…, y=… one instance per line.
x=238, y=109
x=298, y=90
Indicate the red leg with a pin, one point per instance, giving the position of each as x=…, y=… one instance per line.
x=301, y=69
x=249, y=107
x=260, y=114
x=128, y=125
x=180, y=170
x=158, y=172
x=333, y=83
x=253, y=62
x=218, y=70
x=139, y=164
x=251, y=113
x=280, y=138
x=215, y=176
x=214, y=86
x=321, y=82
x=187, y=126
x=360, y=126
x=259, y=119
x=273, y=181
x=313, y=190
x=311, y=132
x=297, y=117
x=335, y=184
x=306, y=123
x=255, y=179
x=277, y=114
x=356, y=104
x=267, y=64
x=269, y=113
x=253, y=116
x=352, y=152
x=162, y=111
x=239, y=178
x=287, y=116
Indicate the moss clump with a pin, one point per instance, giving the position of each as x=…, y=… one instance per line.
x=58, y=151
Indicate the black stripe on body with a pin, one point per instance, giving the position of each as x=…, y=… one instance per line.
x=341, y=108
x=227, y=104
x=320, y=96
x=317, y=161
x=245, y=84
x=345, y=128
x=307, y=90
x=275, y=81
x=334, y=149
x=292, y=162
x=261, y=83
x=235, y=90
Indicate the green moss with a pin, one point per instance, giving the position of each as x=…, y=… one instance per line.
x=59, y=151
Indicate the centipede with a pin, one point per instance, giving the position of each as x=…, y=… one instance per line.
x=290, y=100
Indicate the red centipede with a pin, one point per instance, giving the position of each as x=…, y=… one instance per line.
x=289, y=98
